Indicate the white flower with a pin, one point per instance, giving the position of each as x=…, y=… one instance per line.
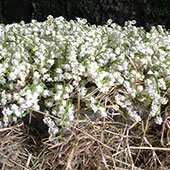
x=45, y=93
x=120, y=80
x=140, y=88
x=57, y=97
x=9, y=97
x=59, y=87
x=162, y=84
x=154, y=109
x=17, y=55
x=128, y=103
x=39, y=89
x=150, y=72
x=15, y=96
x=71, y=116
x=7, y=112
x=43, y=70
x=36, y=75
x=1, y=124
x=29, y=103
x=94, y=107
x=50, y=62
x=15, y=62
x=12, y=76
x=18, y=113
x=126, y=84
x=6, y=120
x=158, y=120
x=75, y=83
x=99, y=84
x=21, y=83
x=3, y=101
x=93, y=100
x=46, y=76
x=14, y=119
x=53, y=131
x=104, y=89
x=163, y=100
x=143, y=61
x=47, y=120
x=59, y=71
x=135, y=116
x=117, y=50
x=49, y=103
x=83, y=91
x=54, y=112
x=64, y=102
x=102, y=111
x=23, y=106
x=20, y=99
x=14, y=107
x=36, y=106
x=66, y=96
x=150, y=51
x=67, y=76
x=133, y=93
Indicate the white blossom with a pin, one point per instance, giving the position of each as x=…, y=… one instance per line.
x=56, y=61
x=158, y=120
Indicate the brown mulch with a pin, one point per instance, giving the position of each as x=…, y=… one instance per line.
x=93, y=145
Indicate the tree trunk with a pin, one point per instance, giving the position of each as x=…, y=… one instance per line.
x=145, y=12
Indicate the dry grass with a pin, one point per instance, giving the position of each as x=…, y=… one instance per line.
x=99, y=145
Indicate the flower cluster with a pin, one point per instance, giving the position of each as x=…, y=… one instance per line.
x=50, y=63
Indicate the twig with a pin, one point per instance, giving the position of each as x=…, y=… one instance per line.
x=108, y=147
x=5, y=129
x=28, y=161
x=149, y=148
x=144, y=134
x=12, y=161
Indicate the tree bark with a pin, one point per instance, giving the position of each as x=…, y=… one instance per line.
x=145, y=12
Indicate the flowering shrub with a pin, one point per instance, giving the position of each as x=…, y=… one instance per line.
x=50, y=63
